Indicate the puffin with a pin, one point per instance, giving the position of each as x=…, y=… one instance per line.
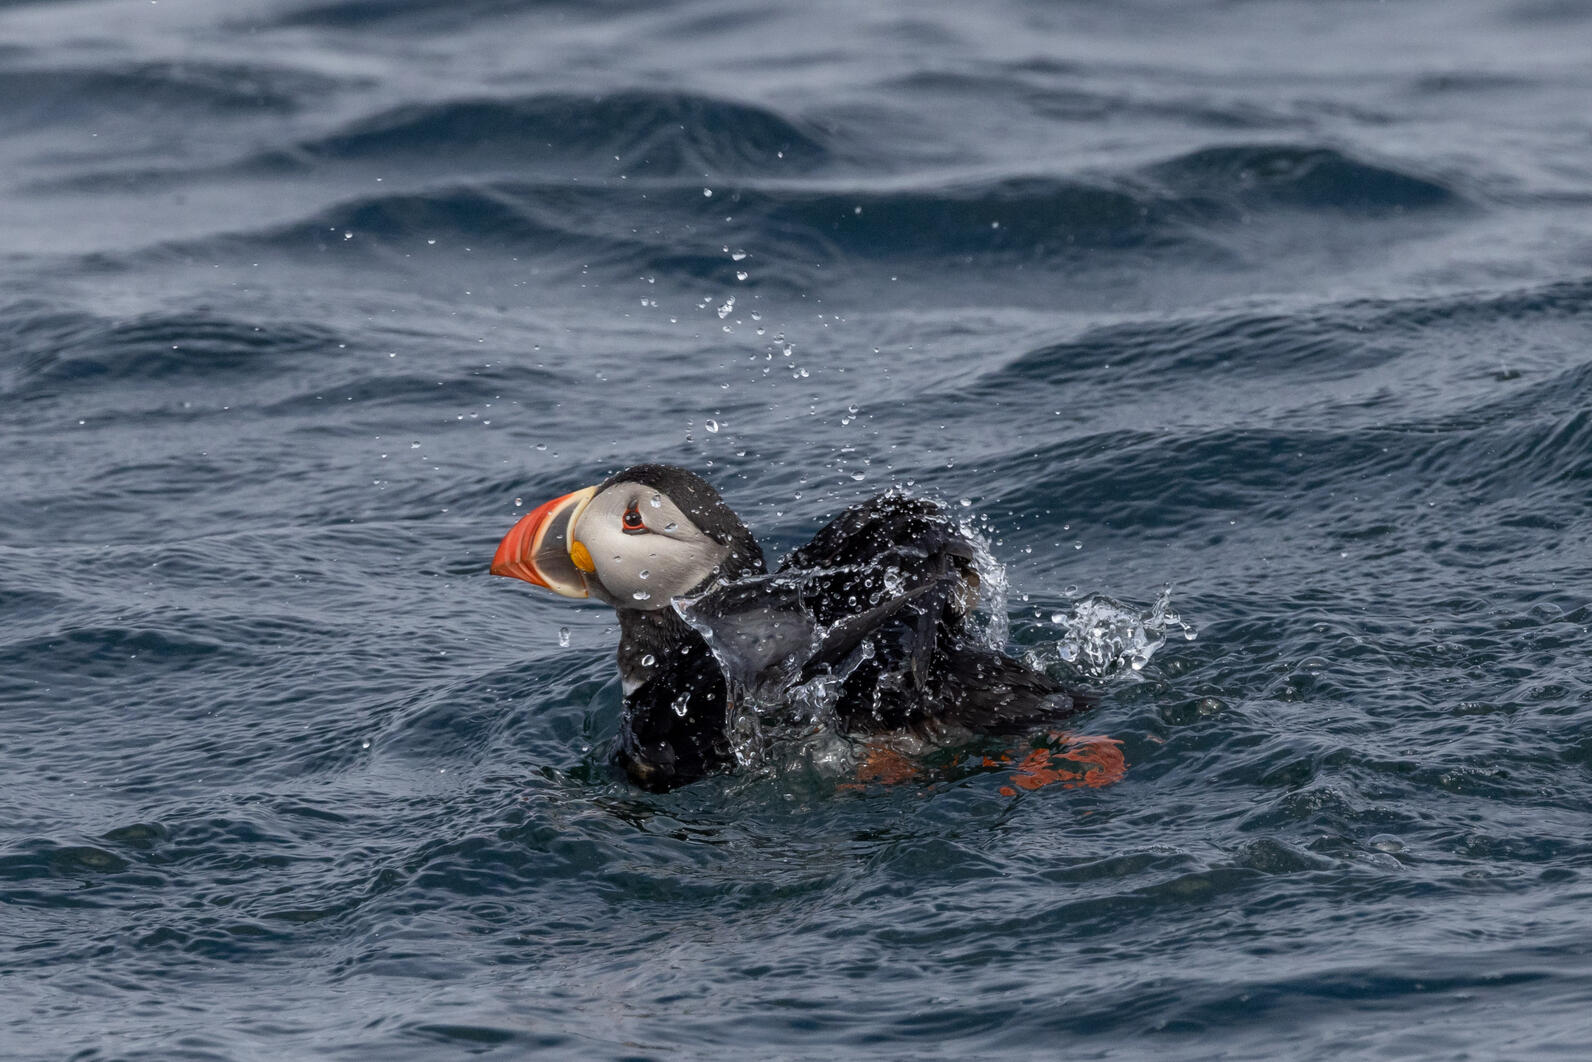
x=875, y=612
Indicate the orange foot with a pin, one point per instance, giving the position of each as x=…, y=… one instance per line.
x=1086, y=761
x=885, y=766
x=1099, y=761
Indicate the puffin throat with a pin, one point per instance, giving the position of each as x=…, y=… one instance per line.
x=542, y=550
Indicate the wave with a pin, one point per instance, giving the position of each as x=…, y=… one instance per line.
x=414, y=391
x=1361, y=341
x=156, y=90
x=59, y=348
x=35, y=861
x=803, y=232
x=1061, y=92
x=573, y=232
x=433, y=15
x=1176, y=426
x=678, y=232
x=1192, y=347
x=104, y=651
x=1313, y=177
x=639, y=133
x=1179, y=484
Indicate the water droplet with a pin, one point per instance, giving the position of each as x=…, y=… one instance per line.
x=671, y=526
x=643, y=573
x=711, y=425
x=656, y=501
x=965, y=503
x=707, y=193
x=648, y=660
x=680, y=704
x=563, y=637
x=641, y=595
x=1058, y=618
x=1103, y=636
x=859, y=476
x=519, y=503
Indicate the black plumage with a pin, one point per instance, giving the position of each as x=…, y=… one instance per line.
x=876, y=607
x=880, y=596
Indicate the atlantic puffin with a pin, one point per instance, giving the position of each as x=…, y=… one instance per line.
x=878, y=605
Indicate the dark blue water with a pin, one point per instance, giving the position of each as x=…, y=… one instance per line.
x=1284, y=306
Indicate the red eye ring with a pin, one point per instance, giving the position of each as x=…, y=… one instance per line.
x=631, y=523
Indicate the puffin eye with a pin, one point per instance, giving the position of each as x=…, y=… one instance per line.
x=632, y=523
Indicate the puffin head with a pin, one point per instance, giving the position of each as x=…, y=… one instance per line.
x=637, y=540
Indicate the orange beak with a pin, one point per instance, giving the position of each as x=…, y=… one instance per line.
x=543, y=550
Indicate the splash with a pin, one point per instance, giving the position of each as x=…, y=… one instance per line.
x=990, y=612
x=761, y=631
x=1102, y=636
x=785, y=668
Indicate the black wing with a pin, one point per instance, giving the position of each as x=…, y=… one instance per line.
x=881, y=549
x=891, y=582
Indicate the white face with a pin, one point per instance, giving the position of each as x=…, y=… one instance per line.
x=645, y=550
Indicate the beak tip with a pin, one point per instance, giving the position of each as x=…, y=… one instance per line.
x=538, y=536
x=503, y=561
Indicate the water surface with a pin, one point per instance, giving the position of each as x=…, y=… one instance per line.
x=1282, y=305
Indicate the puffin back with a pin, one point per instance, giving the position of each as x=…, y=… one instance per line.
x=880, y=549
x=891, y=583
x=878, y=602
